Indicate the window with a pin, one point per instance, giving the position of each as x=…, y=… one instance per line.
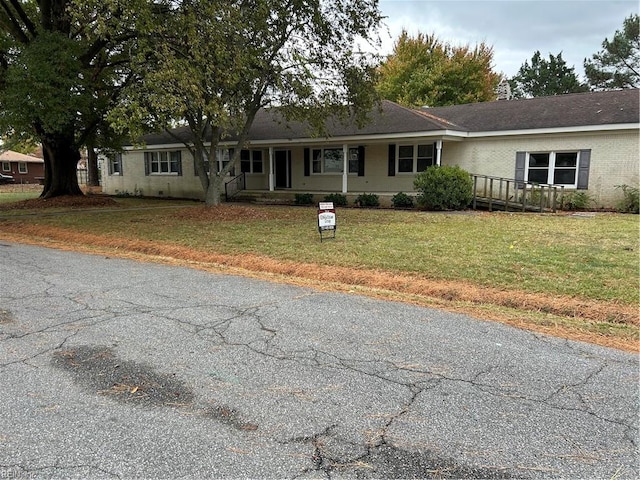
x=22, y=167
x=6, y=166
x=251, y=161
x=568, y=168
x=163, y=163
x=553, y=168
x=331, y=160
x=414, y=158
x=115, y=164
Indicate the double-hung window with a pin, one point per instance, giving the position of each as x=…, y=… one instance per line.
x=414, y=158
x=569, y=168
x=22, y=167
x=6, y=166
x=115, y=164
x=163, y=163
x=251, y=161
x=553, y=168
x=331, y=160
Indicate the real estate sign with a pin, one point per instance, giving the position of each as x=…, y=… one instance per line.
x=326, y=218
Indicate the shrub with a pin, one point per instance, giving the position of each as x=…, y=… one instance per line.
x=630, y=202
x=303, y=199
x=367, y=200
x=444, y=188
x=401, y=200
x=338, y=199
x=576, y=201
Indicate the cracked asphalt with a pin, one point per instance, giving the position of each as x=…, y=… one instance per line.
x=111, y=368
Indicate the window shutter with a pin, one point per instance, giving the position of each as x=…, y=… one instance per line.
x=121, y=160
x=583, y=169
x=111, y=160
x=392, y=159
x=521, y=158
x=307, y=163
x=147, y=166
x=179, y=162
x=361, y=161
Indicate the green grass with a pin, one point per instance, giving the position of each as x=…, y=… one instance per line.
x=593, y=257
x=7, y=197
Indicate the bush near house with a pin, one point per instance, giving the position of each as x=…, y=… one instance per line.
x=367, y=200
x=338, y=199
x=303, y=199
x=401, y=200
x=630, y=202
x=444, y=188
x=577, y=201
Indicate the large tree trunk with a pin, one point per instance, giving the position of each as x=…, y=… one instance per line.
x=60, y=166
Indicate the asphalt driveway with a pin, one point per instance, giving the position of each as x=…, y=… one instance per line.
x=111, y=368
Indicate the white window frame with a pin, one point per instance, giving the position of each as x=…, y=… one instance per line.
x=114, y=161
x=6, y=166
x=551, y=168
x=22, y=168
x=352, y=161
x=253, y=161
x=160, y=158
x=414, y=157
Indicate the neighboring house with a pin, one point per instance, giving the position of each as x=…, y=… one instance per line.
x=23, y=168
x=587, y=141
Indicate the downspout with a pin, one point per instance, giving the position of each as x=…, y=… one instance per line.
x=438, y=152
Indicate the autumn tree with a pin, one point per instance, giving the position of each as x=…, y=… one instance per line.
x=544, y=78
x=62, y=64
x=617, y=65
x=422, y=70
x=213, y=64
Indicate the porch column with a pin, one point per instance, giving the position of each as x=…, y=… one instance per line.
x=438, y=152
x=271, y=174
x=345, y=166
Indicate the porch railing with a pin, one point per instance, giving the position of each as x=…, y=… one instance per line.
x=496, y=193
x=233, y=186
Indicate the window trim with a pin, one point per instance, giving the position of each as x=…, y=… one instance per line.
x=114, y=160
x=169, y=161
x=551, y=168
x=415, y=150
x=252, y=161
x=6, y=166
x=22, y=168
x=351, y=151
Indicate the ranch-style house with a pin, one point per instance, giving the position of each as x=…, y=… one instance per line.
x=582, y=142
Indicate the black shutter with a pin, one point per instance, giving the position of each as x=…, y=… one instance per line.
x=179, y=161
x=521, y=158
x=361, y=161
x=392, y=159
x=583, y=169
x=307, y=163
x=147, y=161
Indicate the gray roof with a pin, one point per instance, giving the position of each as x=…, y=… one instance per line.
x=574, y=110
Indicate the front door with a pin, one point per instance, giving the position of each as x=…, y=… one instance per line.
x=283, y=168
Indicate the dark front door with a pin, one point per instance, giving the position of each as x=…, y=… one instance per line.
x=283, y=168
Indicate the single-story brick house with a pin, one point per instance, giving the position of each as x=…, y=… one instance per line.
x=23, y=168
x=586, y=141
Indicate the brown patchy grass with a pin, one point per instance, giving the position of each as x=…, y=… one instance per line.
x=577, y=319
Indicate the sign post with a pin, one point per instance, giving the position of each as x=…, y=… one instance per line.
x=326, y=219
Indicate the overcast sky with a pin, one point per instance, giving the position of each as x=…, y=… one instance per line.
x=514, y=28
